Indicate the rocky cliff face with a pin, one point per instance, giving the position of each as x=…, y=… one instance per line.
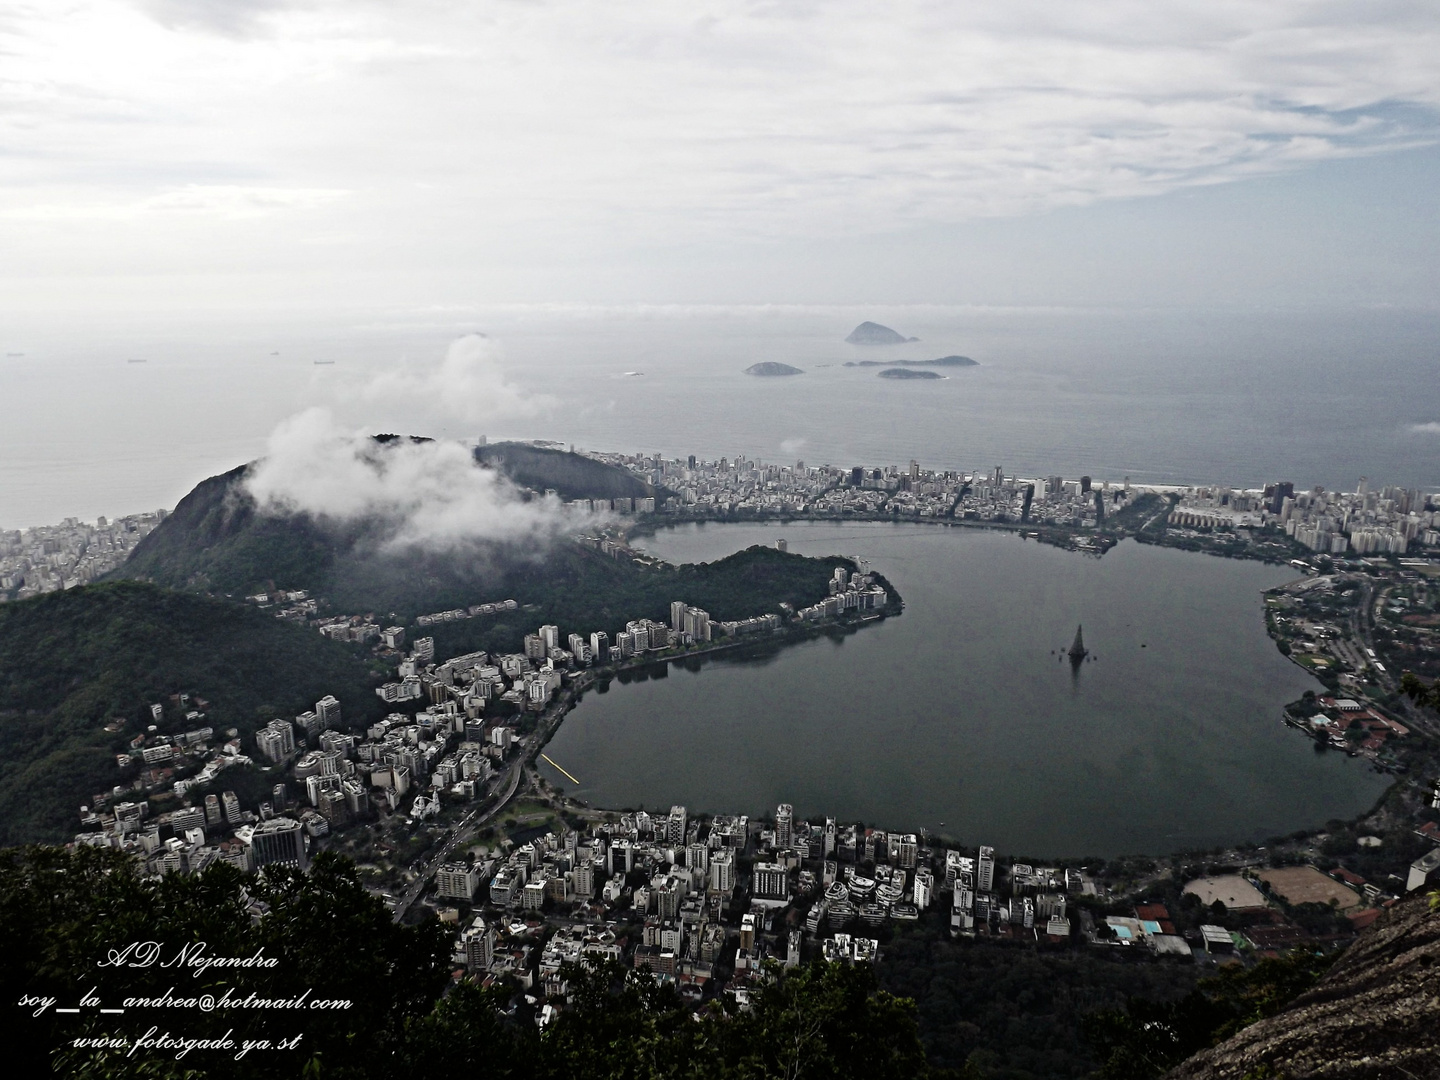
x=1375, y=1015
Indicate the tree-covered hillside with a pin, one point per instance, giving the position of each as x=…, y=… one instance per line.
x=73, y=662
x=217, y=541
x=580, y=590
x=571, y=476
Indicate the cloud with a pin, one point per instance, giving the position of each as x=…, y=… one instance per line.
x=217, y=201
x=429, y=495
x=719, y=115
x=1431, y=427
x=229, y=18
x=468, y=385
x=543, y=138
x=791, y=446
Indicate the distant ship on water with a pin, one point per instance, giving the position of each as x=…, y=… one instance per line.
x=136, y=360
x=1078, y=651
x=320, y=363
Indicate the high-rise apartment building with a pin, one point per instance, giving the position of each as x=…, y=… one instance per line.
x=328, y=709
x=769, y=881
x=275, y=741
x=279, y=840
x=457, y=881
x=907, y=851
x=675, y=825
x=985, y=870
x=784, y=826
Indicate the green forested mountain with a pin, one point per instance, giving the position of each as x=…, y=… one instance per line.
x=217, y=541
x=73, y=662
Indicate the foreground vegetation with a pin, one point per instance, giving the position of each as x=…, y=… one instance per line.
x=62, y=912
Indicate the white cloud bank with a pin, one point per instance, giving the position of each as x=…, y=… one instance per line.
x=383, y=131
x=428, y=495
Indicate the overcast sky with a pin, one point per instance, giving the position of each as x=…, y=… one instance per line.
x=188, y=154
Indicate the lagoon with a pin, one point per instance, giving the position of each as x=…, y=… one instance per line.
x=962, y=717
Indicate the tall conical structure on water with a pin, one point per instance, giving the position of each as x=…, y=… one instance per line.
x=1077, y=647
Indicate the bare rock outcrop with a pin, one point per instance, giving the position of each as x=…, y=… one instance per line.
x=1374, y=1016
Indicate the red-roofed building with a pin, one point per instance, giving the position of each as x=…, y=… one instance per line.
x=1361, y=919
x=1348, y=876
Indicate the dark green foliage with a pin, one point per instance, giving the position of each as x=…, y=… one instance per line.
x=1418, y=692
x=1146, y=1038
x=215, y=540
x=1005, y=1011
x=581, y=590
x=1136, y=513
x=571, y=476
x=72, y=662
x=821, y=1021
x=61, y=912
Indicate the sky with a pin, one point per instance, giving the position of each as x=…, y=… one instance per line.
x=193, y=155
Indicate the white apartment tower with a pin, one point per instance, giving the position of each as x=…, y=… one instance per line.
x=985, y=870
x=784, y=826
x=328, y=710
x=675, y=825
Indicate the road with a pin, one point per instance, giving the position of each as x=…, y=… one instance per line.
x=460, y=834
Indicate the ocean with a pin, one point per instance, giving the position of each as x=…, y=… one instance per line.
x=1238, y=397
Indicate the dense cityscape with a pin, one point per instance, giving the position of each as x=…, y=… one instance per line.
x=530, y=881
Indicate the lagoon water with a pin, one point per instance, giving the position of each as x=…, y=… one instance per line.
x=961, y=717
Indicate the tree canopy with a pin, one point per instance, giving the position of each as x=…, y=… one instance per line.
x=63, y=912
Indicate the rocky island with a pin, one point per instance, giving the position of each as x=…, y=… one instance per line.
x=909, y=373
x=772, y=369
x=943, y=361
x=869, y=333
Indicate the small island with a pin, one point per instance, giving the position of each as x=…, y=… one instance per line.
x=943, y=361
x=772, y=369
x=869, y=333
x=909, y=373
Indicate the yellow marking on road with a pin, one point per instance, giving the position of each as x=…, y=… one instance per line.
x=567, y=775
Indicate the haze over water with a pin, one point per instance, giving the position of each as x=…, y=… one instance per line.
x=962, y=712
x=1163, y=396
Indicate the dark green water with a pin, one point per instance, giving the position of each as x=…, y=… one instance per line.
x=961, y=711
